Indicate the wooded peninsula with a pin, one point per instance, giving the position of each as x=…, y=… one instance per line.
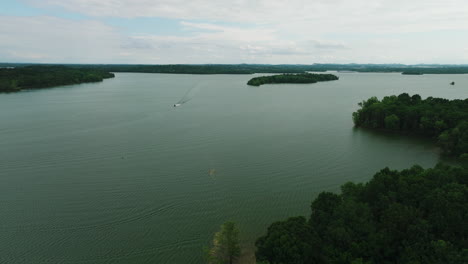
x=34, y=77
x=408, y=216
x=444, y=120
x=292, y=78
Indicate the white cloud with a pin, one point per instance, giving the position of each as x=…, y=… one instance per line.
x=57, y=40
x=315, y=15
x=54, y=39
x=261, y=31
x=212, y=43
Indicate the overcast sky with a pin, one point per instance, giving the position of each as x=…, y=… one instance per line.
x=234, y=31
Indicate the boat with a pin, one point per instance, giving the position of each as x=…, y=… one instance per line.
x=176, y=105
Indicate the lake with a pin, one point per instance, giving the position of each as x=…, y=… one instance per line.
x=111, y=172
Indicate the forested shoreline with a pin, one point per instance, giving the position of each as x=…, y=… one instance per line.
x=282, y=68
x=292, y=78
x=35, y=77
x=263, y=68
x=410, y=216
x=444, y=120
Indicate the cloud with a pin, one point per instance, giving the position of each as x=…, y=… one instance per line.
x=316, y=16
x=238, y=31
x=136, y=44
x=214, y=32
x=58, y=40
x=327, y=45
x=38, y=38
x=203, y=26
x=213, y=43
x=26, y=55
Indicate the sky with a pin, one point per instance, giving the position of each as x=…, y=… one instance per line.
x=234, y=31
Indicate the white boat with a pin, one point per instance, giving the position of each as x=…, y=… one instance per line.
x=176, y=105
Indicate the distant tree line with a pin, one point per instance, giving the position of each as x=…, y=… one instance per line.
x=412, y=216
x=283, y=68
x=292, y=78
x=207, y=68
x=445, y=120
x=34, y=77
x=407, y=69
x=263, y=68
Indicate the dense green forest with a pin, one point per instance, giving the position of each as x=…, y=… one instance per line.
x=445, y=120
x=266, y=68
x=292, y=78
x=412, y=73
x=283, y=68
x=33, y=77
x=408, y=69
x=411, y=216
x=207, y=69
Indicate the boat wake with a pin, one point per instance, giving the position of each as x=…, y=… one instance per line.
x=187, y=96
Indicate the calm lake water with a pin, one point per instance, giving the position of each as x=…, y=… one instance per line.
x=112, y=173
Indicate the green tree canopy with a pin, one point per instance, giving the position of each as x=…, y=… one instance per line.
x=292, y=78
x=442, y=119
x=226, y=248
x=34, y=77
x=408, y=216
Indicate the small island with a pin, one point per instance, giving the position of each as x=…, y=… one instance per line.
x=292, y=78
x=35, y=77
x=412, y=73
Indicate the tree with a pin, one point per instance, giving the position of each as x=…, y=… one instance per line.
x=464, y=159
x=392, y=122
x=289, y=241
x=226, y=247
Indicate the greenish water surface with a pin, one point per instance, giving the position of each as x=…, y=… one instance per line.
x=111, y=172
